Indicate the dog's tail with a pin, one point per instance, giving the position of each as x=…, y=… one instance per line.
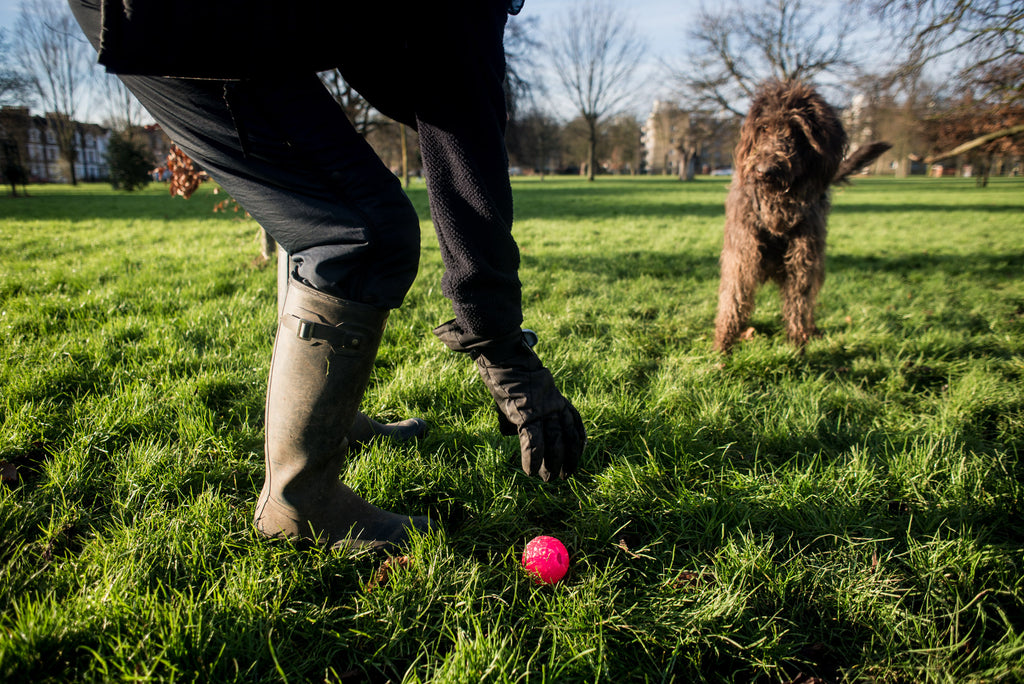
x=861, y=157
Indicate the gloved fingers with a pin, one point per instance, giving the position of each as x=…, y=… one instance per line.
x=531, y=447
x=554, y=449
x=551, y=447
x=574, y=438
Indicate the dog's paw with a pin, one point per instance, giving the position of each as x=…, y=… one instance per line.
x=748, y=334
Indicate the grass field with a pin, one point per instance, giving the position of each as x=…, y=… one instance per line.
x=853, y=513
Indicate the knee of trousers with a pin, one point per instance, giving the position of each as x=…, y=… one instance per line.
x=374, y=264
x=396, y=252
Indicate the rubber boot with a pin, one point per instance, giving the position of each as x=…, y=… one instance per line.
x=323, y=356
x=363, y=427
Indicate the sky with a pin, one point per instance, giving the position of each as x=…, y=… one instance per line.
x=663, y=24
x=8, y=13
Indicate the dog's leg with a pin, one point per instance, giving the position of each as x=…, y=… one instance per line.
x=735, y=298
x=804, y=276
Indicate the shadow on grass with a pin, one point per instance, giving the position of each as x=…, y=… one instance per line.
x=632, y=264
x=980, y=265
x=560, y=198
x=855, y=207
x=565, y=204
x=703, y=265
x=112, y=205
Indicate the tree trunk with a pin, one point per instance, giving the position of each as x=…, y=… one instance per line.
x=268, y=246
x=71, y=159
x=687, y=165
x=405, y=155
x=591, y=148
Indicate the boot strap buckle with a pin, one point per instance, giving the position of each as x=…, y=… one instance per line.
x=337, y=337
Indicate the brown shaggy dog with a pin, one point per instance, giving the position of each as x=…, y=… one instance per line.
x=790, y=151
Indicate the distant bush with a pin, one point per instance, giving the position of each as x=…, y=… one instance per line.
x=129, y=161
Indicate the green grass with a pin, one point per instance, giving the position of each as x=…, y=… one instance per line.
x=853, y=513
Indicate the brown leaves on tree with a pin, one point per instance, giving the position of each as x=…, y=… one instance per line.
x=185, y=178
x=229, y=204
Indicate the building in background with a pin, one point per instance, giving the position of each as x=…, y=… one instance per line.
x=28, y=143
x=683, y=143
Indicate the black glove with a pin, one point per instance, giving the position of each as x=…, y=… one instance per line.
x=551, y=434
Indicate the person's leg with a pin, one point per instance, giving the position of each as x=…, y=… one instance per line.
x=458, y=100
x=323, y=356
x=364, y=428
x=285, y=151
x=329, y=202
x=283, y=148
x=461, y=118
x=444, y=75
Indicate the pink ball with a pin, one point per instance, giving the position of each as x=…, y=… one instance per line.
x=546, y=559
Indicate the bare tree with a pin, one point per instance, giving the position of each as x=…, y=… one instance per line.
x=685, y=139
x=397, y=145
x=125, y=112
x=982, y=134
x=982, y=37
x=982, y=43
x=14, y=86
x=622, y=145
x=696, y=132
x=596, y=52
x=738, y=46
x=522, y=82
x=59, y=63
x=14, y=90
x=368, y=122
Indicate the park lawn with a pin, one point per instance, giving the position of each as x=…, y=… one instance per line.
x=852, y=513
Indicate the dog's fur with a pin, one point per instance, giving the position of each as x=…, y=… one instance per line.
x=790, y=152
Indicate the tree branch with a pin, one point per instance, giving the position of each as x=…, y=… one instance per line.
x=977, y=142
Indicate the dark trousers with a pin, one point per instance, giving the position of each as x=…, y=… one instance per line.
x=280, y=145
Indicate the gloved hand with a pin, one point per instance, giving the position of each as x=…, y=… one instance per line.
x=551, y=434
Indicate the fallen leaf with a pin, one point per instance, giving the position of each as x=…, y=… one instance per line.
x=9, y=474
x=386, y=569
x=625, y=547
x=691, y=579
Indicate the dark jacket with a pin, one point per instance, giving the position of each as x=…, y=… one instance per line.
x=223, y=39
x=235, y=39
